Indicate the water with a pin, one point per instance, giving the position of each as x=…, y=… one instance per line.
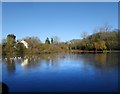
x=88, y=72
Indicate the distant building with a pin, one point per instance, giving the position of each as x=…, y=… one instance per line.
x=24, y=43
x=69, y=42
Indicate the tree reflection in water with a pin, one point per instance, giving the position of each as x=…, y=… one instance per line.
x=98, y=60
x=11, y=65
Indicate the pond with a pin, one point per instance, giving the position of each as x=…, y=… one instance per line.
x=84, y=72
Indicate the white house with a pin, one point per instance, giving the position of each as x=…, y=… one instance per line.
x=24, y=43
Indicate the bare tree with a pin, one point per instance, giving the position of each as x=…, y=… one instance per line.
x=105, y=28
x=84, y=34
x=56, y=39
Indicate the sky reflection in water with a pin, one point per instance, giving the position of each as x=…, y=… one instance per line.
x=88, y=72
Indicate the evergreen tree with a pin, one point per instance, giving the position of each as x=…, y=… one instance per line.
x=51, y=40
x=47, y=41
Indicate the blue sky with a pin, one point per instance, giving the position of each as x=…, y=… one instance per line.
x=65, y=20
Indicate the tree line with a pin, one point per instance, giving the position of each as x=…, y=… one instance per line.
x=11, y=47
x=102, y=40
x=98, y=41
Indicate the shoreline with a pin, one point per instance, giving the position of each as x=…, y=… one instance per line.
x=86, y=51
x=72, y=51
